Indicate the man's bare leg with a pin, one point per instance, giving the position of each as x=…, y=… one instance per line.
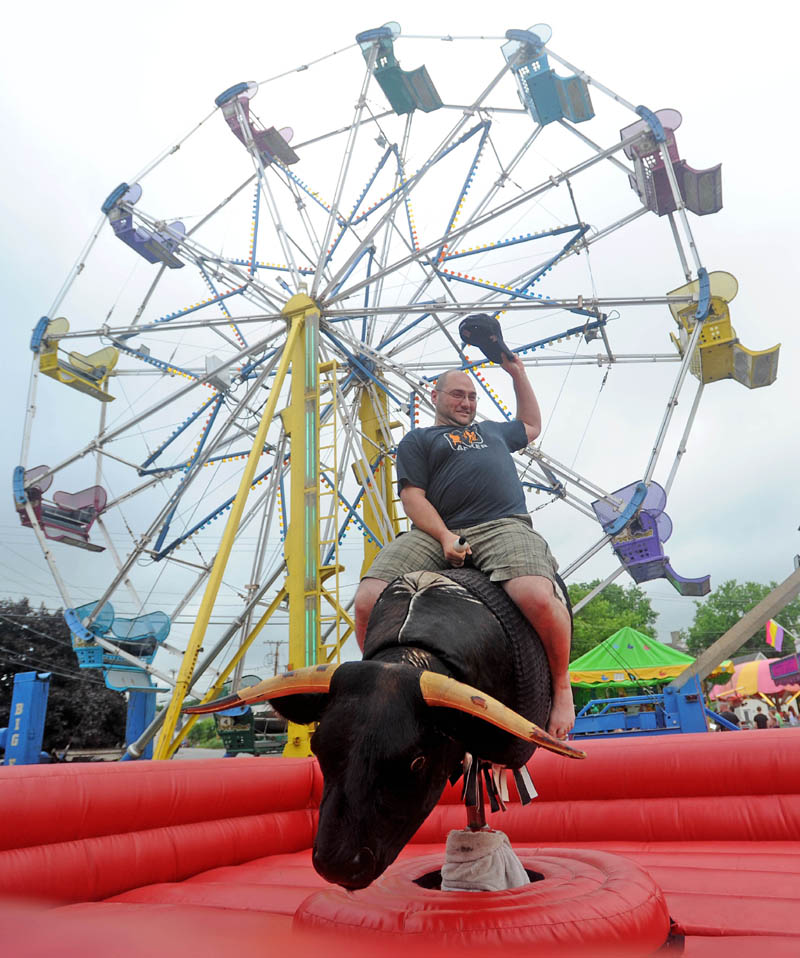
x=534, y=597
x=369, y=590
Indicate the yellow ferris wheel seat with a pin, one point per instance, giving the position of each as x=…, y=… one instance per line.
x=88, y=374
x=719, y=354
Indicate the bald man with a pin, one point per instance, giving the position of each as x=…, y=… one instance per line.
x=457, y=478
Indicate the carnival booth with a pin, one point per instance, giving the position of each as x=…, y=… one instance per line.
x=628, y=659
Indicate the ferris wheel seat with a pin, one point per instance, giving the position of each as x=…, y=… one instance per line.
x=128, y=680
x=700, y=190
x=640, y=548
x=156, y=246
x=68, y=517
x=270, y=144
x=634, y=517
x=552, y=98
x=546, y=96
x=139, y=636
x=87, y=374
x=719, y=354
x=406, y=90
x=153, y=626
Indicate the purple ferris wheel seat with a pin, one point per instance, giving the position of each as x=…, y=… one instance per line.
x=634, y=517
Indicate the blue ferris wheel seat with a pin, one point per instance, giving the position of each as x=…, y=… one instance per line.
x=406, y=90
x=139, y=636
x=547, y=96
x=154, y=245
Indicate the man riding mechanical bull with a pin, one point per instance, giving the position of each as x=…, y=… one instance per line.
x=461, y=667
x=457, y=481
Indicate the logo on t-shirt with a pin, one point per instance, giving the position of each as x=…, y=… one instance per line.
x=467, y=438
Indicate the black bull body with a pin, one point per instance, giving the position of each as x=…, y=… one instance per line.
x=389, y=732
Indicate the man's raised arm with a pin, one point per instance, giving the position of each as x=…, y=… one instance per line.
x=527, y=406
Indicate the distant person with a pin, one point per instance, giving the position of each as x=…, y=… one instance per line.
x=759, y=719
x=772, y=721
x=793, y=719
x=731, y=717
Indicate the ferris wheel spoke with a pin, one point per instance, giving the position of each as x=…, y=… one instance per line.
x=402, y=192
x=348, y=150
x=482, y=220
x=505, y=173
x=672, y=401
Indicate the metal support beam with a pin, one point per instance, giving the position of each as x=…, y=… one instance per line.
x=163, y=746
x=302, y=549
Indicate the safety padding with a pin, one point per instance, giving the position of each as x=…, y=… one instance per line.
x=586, y=903
x=58, y=803
x=743, y=786
x=83, y=832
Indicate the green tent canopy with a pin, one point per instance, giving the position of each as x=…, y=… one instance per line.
x=628, y=659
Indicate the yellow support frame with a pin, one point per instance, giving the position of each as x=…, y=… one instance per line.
x=163, y=748
x=304, y=585
x=301, y=547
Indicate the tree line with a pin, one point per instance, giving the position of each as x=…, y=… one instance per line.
x=618, y=606
x=81, y=711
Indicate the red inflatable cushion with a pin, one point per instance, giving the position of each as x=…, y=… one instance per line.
x=587, y=903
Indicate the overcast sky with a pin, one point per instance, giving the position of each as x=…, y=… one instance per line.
x=92, y=91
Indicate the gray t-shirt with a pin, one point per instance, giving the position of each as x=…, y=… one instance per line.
x=467, y=472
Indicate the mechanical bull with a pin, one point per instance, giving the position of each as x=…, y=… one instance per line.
x=450, y=667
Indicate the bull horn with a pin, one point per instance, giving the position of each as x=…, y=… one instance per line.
x=314, y=679
x=447, y=692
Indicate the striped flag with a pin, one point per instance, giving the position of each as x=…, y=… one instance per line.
x=774, y=635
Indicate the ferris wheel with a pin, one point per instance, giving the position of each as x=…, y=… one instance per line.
x=219, y=387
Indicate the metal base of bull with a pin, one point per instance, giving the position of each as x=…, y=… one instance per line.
x=481, y=779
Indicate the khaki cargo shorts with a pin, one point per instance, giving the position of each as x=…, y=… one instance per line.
x=502, y=549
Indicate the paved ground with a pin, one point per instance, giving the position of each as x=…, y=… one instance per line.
x=189, y=753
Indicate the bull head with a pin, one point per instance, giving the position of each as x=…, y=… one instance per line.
x=384, y=753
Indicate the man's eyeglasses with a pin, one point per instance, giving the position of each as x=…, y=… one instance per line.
x=459, y=395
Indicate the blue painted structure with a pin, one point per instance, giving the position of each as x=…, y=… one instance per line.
x=672, y=711
x=23, y=737
x=141, y=712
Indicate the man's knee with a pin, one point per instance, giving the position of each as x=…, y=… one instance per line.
x=535, y=595
x=367, y=595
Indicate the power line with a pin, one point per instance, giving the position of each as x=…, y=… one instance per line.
x=30, y=663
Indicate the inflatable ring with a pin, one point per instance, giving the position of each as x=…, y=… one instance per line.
x=585, y=903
